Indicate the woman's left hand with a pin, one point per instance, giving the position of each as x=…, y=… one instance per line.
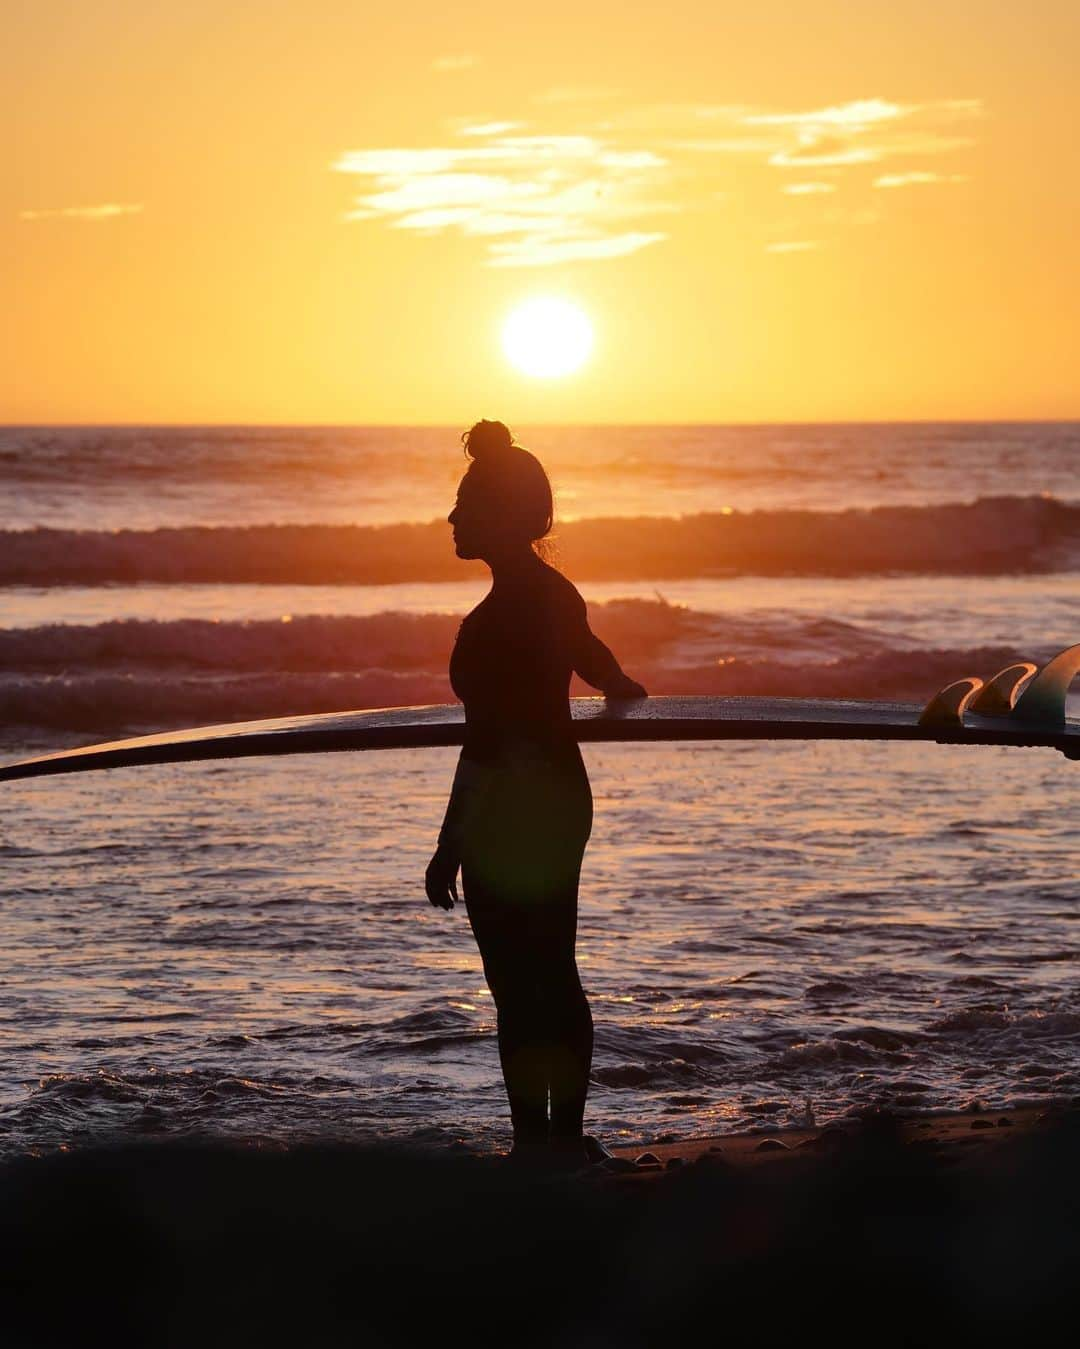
x=626, y=688
x=440, y=879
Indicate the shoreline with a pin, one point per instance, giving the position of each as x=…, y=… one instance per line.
x=942, y=1131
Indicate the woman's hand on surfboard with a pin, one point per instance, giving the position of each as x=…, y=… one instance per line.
x=626, y=688
x=440, y=880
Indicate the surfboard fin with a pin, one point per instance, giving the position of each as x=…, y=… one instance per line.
x=998, y=696
x=947, y=708
x=1043, y=699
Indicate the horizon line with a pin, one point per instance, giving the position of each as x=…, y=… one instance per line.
x=560, y=425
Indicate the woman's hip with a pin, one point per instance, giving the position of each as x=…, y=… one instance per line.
x=526, y=829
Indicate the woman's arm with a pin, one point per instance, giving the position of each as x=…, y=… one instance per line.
x=466, y=779
x=440, y=879
x=595, y=662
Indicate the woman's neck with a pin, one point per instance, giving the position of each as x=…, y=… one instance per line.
x=510, y=570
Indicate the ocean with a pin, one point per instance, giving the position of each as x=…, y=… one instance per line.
x=245, y=950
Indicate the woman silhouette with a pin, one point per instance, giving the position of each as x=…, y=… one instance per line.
x=520, y=810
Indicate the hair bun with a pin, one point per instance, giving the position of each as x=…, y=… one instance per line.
x=487, y=439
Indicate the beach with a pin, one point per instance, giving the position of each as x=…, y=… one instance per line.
x=909, y=1233
x=722, y=354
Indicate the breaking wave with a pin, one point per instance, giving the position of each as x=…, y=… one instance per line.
x=134, y=673
x=994, y=535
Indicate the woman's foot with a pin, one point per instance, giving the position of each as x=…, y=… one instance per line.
x=568, y=1154
x=558, y=1154
x=529, y=1154
x=595, y=1151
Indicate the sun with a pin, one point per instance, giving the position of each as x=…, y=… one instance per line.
x=547, y=337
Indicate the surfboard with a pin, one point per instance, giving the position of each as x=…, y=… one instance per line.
x=1026, y=708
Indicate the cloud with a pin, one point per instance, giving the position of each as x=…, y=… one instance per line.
x=457, y=61
x=539, y=252
x=864, y=114
x=819, y=152
x=867, y=131
x=564, y=197
x=917, y=176
x=844, y=137
x=511, y=151
x=848, y=116
x=840, y=135
x=105, y=211
x=793, y=246
x=536, y=196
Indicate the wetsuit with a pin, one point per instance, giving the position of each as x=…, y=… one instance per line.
x=519, y=818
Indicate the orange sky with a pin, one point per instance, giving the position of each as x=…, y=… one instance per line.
x=323, y=211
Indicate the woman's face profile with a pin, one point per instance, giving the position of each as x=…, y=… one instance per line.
x=484, y=526
x=468, y=521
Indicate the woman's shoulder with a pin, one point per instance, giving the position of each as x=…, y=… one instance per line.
x=547, y=597
x=562, y=590
x=481, y=607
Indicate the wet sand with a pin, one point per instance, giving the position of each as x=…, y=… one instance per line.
x=944, y=1137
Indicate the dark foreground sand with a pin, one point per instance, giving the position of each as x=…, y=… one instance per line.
x=960, y=1230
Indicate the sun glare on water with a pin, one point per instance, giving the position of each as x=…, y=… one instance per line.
x=547, y=337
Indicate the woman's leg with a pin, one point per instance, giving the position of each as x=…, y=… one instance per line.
x=511, y=970
x=569, y=1061
x=570, y=1026
x=570, y=1017
x=545, y=1026
x=520, y=886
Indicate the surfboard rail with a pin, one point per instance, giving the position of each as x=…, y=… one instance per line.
x=595, y=720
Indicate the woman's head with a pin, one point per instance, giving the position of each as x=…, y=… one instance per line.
x=504, y=501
